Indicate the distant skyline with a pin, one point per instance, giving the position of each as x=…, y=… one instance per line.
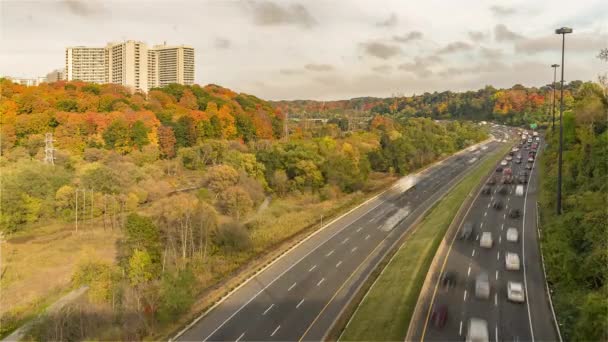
x=323, y=50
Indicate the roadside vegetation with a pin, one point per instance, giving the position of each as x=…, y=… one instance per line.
x=154, y=199
x=575, y=244
x=385, y=312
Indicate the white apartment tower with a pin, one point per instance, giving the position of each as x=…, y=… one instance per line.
x=85, y=64
x=131, y=64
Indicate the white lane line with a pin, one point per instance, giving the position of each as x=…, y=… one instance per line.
x=330, y=253
x=473, y=254
x=339, y=263
x=291, y=287
x=367, y=237
x=353, y=250
x=312, y=268
x=469, y=271
x=502, y=226
x=464, y=298
x=359, y=229
x=270, y=307
x=485, y=214
x=275, y=331
x=495, y=299
x=477, y=238
x=496, y=331
x=321, y=281
x=496, y=275
x=300, y=303
x=460, y=329
x=371, y=220
x=507, y=206
x=240, y=337
x=498, y=255
x=345, y=240
x=499, y=239
x=488, y=205
x=523, y=253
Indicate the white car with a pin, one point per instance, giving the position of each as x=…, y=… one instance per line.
x=477, y=330
x=486, y=240
x=512, y=261
x=482, y=286
x=512, y=234
x=509, y=158
x=504, y=163
x=515, y=292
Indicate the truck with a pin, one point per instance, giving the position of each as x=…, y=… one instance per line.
x=477, y=330
x=519, y=190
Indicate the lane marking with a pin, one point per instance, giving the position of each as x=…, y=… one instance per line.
x=499, y=239
x=498, y=255
x=321, y=281
x=359, y=229
x=465, y=296
x=488, y=205
x=270, y=307
x=496, y=332
x=469, y=271
x=367, y=237
x=345, y=240
x=460, y=329
x=330, y=253
x=312, y=268
x=300, y=303
x=275, y=331
x=496, y=275
x=473, y=254
x=354, y=249
x=240, y=337
x=477, y=238
x=502, y=226
x=485, y=214
x=339, y=263
x=523, y=252
x=504, y=216
x=495, y=299
x=291, y=287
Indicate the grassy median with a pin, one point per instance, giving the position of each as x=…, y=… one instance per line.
x=385, y=312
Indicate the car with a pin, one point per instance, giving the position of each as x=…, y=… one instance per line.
x=502, y=190
x=467, y=231
x=518, y=161
x=537, y=138
x=512, y=234
x=486, y=240
x=482, y=286
x=522, y=179
x=512, y=261
x=509, y=158
x=531, y=160
x=492, y=180
x=503, y=163
x=514, y=213
x=510, y=153
x=515, y=292
x=439, y=316
x=519, y=190
x=499, y=169
x=486, y=190
x=497, y=205
x=518, y=156
x=448, y=280
x=529, y=140
x=529, y=166
x=477, y=330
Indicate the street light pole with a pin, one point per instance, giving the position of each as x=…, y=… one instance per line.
x=554, y=66
x=563, y=31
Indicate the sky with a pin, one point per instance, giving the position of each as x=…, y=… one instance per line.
x=324, y=50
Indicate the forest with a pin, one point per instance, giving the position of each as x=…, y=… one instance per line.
x=153, y=199
x=575, y=243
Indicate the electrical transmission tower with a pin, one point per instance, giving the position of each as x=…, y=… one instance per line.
x=49, y=150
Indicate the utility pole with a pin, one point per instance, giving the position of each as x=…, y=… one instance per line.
x=49, y=150
x=563, y=31
x=554, y=66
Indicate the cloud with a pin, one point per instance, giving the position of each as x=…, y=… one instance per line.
x=486, y=67
x=81, y=7
x=490, y=53
x=267, y=13
x=381, y=50
x=582, y=43
x=290, y=72
x=318, y=67
x=414, y=35
x=390, y=22
x=222, y=43
x=502, y=33
x=501, y=11
x=476, y=36
x=455, y=47
x=382, y=69
x=421, y=66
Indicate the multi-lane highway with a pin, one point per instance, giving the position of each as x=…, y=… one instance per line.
x=465, y=260
x=299, y=296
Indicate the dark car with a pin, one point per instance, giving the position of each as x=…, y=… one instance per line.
x=499, y=169
x=514, y=213
x=492, y=180
x=502, y=190
x=467, y=231
x=497, y=205
x=439, y=316
x=529, y=166
x=448, y=280
x=486, y=190
x=522, y=179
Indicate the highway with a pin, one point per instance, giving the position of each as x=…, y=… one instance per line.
x=507, y=320
x=299, y=296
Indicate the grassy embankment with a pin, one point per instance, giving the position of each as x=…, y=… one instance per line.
x=385, y=313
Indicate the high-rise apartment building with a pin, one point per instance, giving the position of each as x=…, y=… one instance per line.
x=86, y=64
x=131, y=64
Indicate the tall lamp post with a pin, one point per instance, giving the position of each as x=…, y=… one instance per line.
x=563, y=31
x=554, y=66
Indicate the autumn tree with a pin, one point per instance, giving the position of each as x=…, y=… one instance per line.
x=235, y=201
x=166, y=142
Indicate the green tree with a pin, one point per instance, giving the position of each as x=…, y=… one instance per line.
x=118, y=136
x=139, y=134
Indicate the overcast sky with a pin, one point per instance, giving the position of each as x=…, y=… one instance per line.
x=333, y=49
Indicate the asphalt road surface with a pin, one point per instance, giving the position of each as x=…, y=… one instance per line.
x=301, y=294
x=507, y=321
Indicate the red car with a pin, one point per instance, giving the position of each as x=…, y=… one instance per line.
x=439, y=316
